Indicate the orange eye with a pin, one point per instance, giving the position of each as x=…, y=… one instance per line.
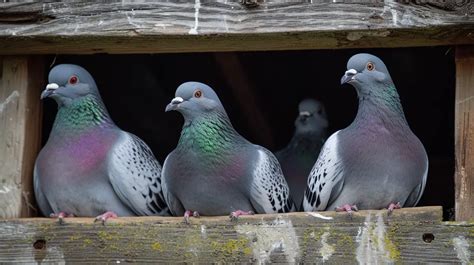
x=73, y=80
x=370, y=66
x=197, y=93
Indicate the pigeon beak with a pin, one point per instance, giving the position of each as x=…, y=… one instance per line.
x=174, y=104
x=304, y=115
x=348, y=76
x=50, y=88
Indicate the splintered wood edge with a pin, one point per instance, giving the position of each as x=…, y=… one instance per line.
x=429, y=213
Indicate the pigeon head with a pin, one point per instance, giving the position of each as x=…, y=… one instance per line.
x=364, y=72
x=68, y=82
x=194, y=99
x=311, y=117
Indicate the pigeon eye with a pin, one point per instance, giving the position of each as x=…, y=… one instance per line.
x=197, y=93
x=73, y=80
x=370, y=66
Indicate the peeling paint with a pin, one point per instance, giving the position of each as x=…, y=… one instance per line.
x=326, y=250
x=276, y=236
x=318, y=215
x=197, y=5
x=9, y=99
x=461, y=246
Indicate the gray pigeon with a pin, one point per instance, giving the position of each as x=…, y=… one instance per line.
x=214, y=170
x=298, y=157
x=89, y=167
x=377, y=161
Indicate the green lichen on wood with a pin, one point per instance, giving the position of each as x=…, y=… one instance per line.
x=156, y=246
x=391, y=243
x=226, y=250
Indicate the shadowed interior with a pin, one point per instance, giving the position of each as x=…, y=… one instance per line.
x=261, y=92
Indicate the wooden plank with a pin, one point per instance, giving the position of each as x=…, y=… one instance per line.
x=20, y=132
x=464, y=133
x=154, y=27
x=410, y=235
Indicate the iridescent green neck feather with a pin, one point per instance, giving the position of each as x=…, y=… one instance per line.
x=209, y=134
x=82, y=114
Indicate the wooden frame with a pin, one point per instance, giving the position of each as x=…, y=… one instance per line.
x=29, y=29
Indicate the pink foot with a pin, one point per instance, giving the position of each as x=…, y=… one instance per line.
x=235, y=215
x=188, y=214
x=347, y=208
x=105, y=216
x=61, y=216
x=393, y=206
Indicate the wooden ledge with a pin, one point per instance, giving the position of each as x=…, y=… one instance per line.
x=82, y=27
x=409, y=235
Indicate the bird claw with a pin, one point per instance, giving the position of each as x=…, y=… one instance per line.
x=392, y=207
x=105, y=216
x=188, y=214
x=61, y=216
x=234, y=216
x=347, y=208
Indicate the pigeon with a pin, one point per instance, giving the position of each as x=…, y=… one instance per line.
x=215, y=171
x=377, y=161
x=89, y=166
x=298, y=157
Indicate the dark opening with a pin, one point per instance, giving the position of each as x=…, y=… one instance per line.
x=39, y=244
x=428, y=237
x=261, y=91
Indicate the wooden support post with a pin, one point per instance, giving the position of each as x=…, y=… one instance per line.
x=464, y=133
x=20, y=132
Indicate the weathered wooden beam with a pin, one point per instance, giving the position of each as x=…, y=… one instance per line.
x=412, y=235
x=464, y=133
x=20, y=132
x=154, y=27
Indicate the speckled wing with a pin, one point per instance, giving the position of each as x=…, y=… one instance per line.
x=41, y=200
x=269, y=191
x=135, y=175
x=326, y=179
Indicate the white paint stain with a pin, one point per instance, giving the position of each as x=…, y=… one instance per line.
x=197, y=5
x=5, y=189
x=100, y=22
x=318, y=215
x=130, y=19
x=203, y=232
x=371, y=241
x=9, y=99
x=461, y=246
x=327, y=249
x=267, y=238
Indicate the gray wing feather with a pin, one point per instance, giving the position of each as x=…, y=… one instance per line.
x=175, y=206
x=416, y=194
x=325, y=181
x=135, y=175
x=41, y=200
x=269, y=190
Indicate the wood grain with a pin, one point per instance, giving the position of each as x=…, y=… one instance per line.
x=410, y=235
x=148, y=27
x=20, y=133
x=464, y=133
